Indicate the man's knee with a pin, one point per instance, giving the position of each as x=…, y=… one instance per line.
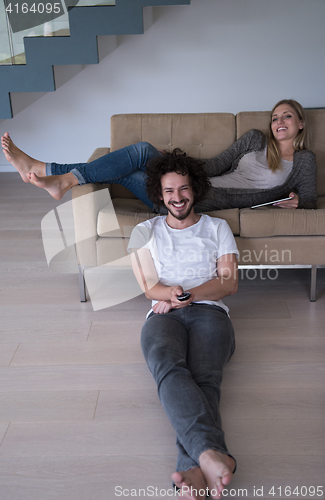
x=155, y=344
x=162, y=349
x=151, y=344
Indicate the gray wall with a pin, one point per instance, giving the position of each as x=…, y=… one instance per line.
x=211, y=56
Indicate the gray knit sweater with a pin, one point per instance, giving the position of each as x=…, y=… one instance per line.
x=302, y=179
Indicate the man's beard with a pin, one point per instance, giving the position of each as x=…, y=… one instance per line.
x=180, y=216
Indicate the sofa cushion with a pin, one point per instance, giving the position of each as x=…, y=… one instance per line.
x=130, y=212
x=201, y=135
x=320, y=202
x=280, y=251
x=231, y=216
x=265, y=221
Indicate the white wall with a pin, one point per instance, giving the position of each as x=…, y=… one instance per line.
x=214, y=55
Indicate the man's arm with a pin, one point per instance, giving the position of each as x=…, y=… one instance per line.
x=225, y=284
x=147, y=277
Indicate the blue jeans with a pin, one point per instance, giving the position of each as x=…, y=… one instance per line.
x=186, y=351
x=126, y=166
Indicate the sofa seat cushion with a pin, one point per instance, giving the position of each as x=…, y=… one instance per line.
x=129, y=213
x=264, y=222
x=231, y=216
x=320, y=202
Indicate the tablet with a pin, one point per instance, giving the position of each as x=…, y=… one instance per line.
x=271, y=202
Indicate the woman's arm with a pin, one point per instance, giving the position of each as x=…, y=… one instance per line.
x=306, y=179
x=254, y=140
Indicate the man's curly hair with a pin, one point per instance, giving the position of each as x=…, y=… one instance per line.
x=176, y=161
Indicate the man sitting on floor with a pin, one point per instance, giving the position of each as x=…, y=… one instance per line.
x=187, y=341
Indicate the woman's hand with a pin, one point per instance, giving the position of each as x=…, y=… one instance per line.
x=293, y=203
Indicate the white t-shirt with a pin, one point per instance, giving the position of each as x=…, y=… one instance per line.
x=253, y=172
x=185, y=257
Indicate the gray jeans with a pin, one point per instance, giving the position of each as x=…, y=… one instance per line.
x=186, y=351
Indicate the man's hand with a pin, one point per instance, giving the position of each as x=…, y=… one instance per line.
x=162, y=307
x=175, y=303
x=293, y=203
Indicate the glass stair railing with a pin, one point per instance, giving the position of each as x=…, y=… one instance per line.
x=34, y=18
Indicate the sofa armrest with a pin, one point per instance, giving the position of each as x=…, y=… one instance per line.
x=98, y=153
x=90, y=188
x=87, y=201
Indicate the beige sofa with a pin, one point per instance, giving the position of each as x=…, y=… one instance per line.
x=266, y=236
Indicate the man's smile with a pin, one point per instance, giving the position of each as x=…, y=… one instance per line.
x=178, y=205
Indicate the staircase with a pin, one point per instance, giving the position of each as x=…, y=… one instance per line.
x=86, y=23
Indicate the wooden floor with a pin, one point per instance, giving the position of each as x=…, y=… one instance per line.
x=79, y=414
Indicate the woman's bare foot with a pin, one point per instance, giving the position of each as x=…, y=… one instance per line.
x=192, y=484
x=56, y=185
x=217, y=469
x=22, y=162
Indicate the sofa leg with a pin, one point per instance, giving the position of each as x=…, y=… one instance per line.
x=82, y=285
x=313, y=279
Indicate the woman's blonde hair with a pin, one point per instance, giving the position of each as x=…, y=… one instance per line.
x=299, y=143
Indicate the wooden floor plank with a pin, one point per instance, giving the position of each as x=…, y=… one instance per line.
x=44, y=406
x=109, y=437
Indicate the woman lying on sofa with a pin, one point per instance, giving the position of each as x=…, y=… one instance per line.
x=254, y=170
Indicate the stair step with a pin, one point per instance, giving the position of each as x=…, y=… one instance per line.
x=86, y=23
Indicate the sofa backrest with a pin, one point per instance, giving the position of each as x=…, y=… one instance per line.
x=315, y=119
x=194, y=133
x=204, y=135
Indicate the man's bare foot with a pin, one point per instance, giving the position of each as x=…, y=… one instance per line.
x=22, y=162
x=192, y=484
x=217, y=469
x=56, y=185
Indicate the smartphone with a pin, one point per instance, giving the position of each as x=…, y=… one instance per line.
x=271, y=202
